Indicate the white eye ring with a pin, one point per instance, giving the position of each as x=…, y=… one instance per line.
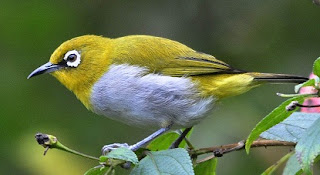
x=73, y=58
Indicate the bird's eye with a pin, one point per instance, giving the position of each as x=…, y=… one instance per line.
x=72, y=58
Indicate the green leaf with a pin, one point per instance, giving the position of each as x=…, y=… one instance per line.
x=308, y=147
x=276, y=116
x=316, y=82
x=164, y=141
x=123, y=154
x=310, y=82
x=206, y=168
x=316, y=67
x=172, y=161
x=292, y=128
x=98, y=170
x=103, y=158
x=275, y=166
x=292, y=166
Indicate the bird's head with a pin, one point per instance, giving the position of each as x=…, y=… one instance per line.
x=78, y=63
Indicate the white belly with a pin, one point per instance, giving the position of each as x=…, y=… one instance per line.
x=133, y=96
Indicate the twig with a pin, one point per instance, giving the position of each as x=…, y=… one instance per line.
x=50, y=141
x=219, y=151
x=177, y=142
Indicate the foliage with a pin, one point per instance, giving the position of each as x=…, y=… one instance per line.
x=172, y=161
x=316, y=67
x=300, y=128
x=98, y=170
x=292, y=128
x=308, y=147
x=303, y=129
x=275, y=117
x=164, y=141
x=207, y=167
x=121, y=154
x=273, y=167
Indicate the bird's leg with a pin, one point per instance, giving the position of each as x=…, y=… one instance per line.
x=148, y=139
x=177, y=142
x=134, y=147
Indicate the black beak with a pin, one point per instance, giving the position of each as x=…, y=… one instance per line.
x=46, y=68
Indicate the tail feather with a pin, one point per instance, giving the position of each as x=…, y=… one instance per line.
x=278, y=78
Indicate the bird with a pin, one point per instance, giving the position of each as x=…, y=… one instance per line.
x=149, y=82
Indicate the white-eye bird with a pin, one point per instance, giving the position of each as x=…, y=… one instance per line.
x=148, y=81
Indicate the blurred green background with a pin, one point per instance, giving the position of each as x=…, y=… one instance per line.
x=267, y=36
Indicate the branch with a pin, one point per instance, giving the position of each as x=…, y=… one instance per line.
x=49, y=141
x=219, y=151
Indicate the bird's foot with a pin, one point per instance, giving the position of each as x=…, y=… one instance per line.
x=108, y=148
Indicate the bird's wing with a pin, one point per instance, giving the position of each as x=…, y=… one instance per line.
x=167, y=57
x=198, y=64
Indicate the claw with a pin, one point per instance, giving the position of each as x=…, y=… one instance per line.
x=108, y=148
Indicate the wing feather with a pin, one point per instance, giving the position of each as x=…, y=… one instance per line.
x=191, y=66
x=165, y=56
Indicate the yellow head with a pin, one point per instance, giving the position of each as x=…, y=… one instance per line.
x=78, y=63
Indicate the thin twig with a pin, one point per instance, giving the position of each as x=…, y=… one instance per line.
x=176, y=143
x=219, y=151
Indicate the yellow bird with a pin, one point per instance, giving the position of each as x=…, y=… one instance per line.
x=148, y=81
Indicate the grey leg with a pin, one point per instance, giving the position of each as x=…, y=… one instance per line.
x=148, y=139
x=134, y=147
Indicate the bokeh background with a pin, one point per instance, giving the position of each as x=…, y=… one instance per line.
x=267, y=36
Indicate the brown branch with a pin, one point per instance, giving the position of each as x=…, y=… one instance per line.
x=219, y=151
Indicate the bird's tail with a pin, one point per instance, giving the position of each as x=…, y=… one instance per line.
x=277, y=78
x=226, y=85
